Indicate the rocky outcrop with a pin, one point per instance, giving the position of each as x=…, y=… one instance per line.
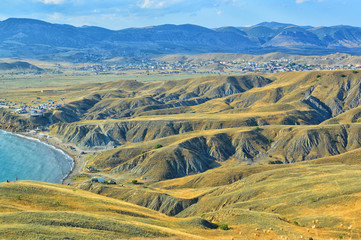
x=188, y=157
x=316, y=142
x=85, y=135
x=204, y=152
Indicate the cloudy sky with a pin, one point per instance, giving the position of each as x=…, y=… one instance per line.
x=119, y=14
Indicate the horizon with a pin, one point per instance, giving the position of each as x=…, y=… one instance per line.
x=117, y=15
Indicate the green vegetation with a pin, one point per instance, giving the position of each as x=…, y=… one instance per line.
x=224, y=227
x=134, y=181
x=158, y=146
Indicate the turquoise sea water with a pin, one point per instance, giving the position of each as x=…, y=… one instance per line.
x=30, y=159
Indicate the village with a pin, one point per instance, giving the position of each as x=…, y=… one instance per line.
x=212, y=66
x=35, y=109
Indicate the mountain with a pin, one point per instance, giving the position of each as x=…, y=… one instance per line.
x=41, y=40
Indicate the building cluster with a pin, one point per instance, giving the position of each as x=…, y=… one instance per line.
x=35, y=109
x=149, y=66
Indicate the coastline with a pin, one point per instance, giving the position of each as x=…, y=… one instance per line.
x=73, y=153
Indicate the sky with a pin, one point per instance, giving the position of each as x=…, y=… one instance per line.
x=120, y=14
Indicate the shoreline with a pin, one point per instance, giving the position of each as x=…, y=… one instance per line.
x=74, y=153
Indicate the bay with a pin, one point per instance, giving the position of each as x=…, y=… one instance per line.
x=29, y=159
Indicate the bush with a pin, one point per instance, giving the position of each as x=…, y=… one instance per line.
x=134, y=181
x=318, y=76
x=158, y=146
x=343, y=75
x=355, y=72
x=296, y=223
x=224, y=227
x=270, y=140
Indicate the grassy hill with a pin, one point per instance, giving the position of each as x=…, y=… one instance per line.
x=33, y=210
x=268, y=155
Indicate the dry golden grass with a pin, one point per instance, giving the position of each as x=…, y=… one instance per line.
x=286, y=198
x=32, y=210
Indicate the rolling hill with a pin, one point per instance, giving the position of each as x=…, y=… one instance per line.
x=272, y=156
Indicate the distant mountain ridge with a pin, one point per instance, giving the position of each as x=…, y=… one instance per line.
x=38, y=39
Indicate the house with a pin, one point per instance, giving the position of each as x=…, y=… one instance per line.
x=101, y=180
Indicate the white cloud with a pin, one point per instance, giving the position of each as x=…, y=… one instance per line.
x=301, y=1
x=52, y=1
x=55, y=16
x=152, y=4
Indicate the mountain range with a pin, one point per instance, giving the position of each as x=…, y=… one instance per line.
x=42, y=40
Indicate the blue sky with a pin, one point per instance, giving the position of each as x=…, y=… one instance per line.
x=119, y=14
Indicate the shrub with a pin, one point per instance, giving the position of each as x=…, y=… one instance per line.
x=296, y=223
x=343, y=75
x=270, y=140
x=134, y=181
x=158, y=146
x=355, y=72
x=224, y=227
x=318, y=76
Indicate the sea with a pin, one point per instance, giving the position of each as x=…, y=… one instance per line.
x=26, y=158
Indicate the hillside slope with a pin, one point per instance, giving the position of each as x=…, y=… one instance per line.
x=31, y=210
x=271, y=155
x=204, y=121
